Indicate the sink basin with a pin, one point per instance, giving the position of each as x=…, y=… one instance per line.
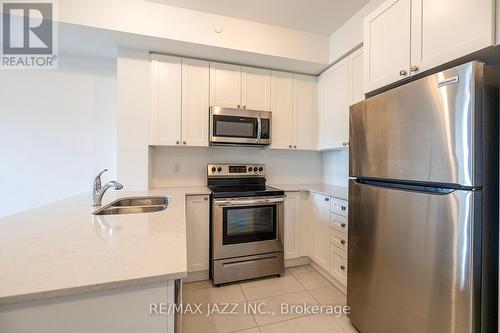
x=134, y=205
x=129, y=210
x=138, y=201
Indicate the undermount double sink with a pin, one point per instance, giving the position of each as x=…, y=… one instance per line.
x=134, y=205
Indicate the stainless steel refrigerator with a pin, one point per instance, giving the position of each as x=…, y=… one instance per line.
x=423, y=205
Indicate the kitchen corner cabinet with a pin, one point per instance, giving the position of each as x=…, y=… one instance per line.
x=305, y=105
x=235, y=86
x=179, y=101
x=320, y=209
x=339, y=87
x=334, y=106
x=282, y=110
x=197, y=232
x=405, y=37
x=292, y=225
x=356, y=94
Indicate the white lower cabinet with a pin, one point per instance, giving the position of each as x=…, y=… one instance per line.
x=292, y=233
x=197, y=232
x=338, y=264
x=321, y=221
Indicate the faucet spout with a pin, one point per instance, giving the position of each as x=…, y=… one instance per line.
x=98, y=191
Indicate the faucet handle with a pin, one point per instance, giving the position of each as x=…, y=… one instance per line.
x=97, y=180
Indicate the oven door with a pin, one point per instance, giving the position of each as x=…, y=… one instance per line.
x=230, y=126
x=247, y=226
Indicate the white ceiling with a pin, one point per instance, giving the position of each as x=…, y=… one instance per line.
x=316, y=16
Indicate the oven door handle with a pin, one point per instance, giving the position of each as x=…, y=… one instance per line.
x=250, y=202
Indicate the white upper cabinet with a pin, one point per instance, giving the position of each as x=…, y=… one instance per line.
x=282, y=110
x=356, y=77
x=225, y=85
x=165, y=109
x=256, y=89
x=387, y=44
x=334, y=106
x=195, y=102
x=339, y=87
x=444, y=30
x=305, y=101
x=405, y=37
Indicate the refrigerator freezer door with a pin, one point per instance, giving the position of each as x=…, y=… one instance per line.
x=423, y=131
x=410, y=260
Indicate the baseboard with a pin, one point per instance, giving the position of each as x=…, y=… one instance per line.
x=330, y=278
x=297, y=262
x=196, y=276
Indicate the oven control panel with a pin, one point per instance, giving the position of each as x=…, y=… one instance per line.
x=236, y=170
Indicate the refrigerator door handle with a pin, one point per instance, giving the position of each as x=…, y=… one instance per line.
x=411, y=187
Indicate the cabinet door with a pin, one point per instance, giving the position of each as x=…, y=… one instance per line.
x=305, y=105
x=256, y=89
x=195, y=104
x=225, y=85
x=338, y=264
x=165, y=111
x=282, y=110
x=445, y=30
x=356, y=77
x=197, y=232
x=292, y=225
x=321, y=217
x=334, y=114
x=386, y=44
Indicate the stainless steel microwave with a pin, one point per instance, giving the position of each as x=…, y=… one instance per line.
x=239, y=127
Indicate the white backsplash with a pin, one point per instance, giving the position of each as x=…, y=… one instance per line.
x=336, y=167
x=187, y=166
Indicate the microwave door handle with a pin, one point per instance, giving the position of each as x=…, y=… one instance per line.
x=246, y=202
x=259, y=129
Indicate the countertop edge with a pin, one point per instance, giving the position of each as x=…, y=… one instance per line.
x=38, y=296
x=314, y=189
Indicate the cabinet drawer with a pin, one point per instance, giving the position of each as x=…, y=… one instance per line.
x=338, y=239
x=339, y=223
x=338, y=264
x=339, y=207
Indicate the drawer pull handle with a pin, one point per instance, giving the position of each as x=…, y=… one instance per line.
x=342, y=225
x=327, y=199
x=343, y=208
x=342, y=267
x=342, y=242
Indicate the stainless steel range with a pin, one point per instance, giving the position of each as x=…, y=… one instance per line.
x=246, y=223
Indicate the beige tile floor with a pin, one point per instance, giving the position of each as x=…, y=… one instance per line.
x=299, y=285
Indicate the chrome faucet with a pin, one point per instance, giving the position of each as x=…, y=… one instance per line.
x=98, y=191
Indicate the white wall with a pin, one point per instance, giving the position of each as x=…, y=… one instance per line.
x=188, y=166
x=350, y=35
x=146, y=18
x=132, y=119
x=57, y=130
x=336, y=167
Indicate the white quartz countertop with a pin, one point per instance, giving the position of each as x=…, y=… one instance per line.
x=339, y=192
x=61, y=248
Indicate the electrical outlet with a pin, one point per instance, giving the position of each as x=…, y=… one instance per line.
x=177, y=168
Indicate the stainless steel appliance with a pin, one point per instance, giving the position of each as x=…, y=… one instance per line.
x=423, y=205
x=246, y=223
x=239, y=127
